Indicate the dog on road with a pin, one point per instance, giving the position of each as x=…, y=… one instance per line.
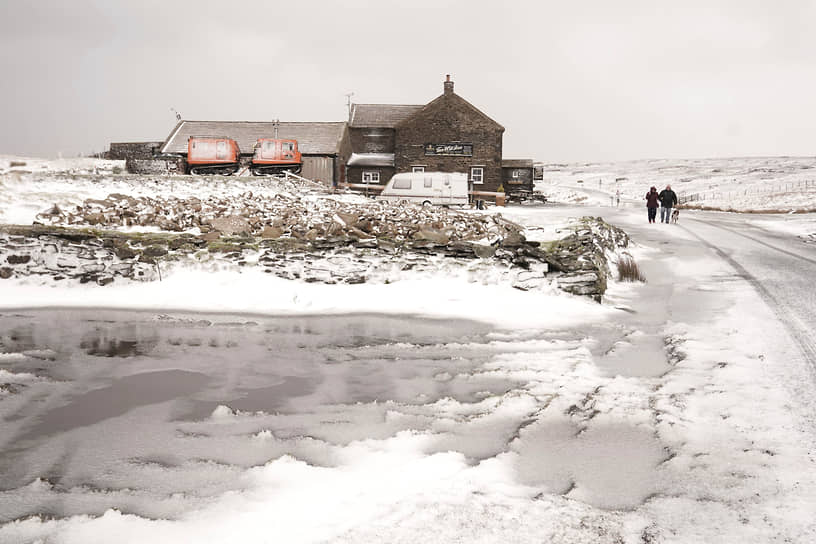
x=675, y=215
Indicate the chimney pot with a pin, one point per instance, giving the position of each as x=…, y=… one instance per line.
x=448, y=85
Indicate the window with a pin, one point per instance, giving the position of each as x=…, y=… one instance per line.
x=402, y=183
x=287, y=146
x=428, y=182
x=419, y=169
x=371, y=176
x=516, y=174
x=477, y=174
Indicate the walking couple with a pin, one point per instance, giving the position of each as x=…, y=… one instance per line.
x=665, y=199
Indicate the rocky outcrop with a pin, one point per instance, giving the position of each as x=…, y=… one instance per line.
x=582, y=258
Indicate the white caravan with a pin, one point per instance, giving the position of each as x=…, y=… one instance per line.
x=426, y=188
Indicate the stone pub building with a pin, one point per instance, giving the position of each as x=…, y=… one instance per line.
x=449, y=134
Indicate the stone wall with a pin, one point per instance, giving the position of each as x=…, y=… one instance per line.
x=372, y=140
x=451, y=119
x=344, y=150
x=156, y=166
x=133, y=150
x=355, y=173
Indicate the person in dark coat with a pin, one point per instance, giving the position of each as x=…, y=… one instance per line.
x=652, y=203
x=668, y=199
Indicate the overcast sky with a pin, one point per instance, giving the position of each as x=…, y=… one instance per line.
x=570, y=81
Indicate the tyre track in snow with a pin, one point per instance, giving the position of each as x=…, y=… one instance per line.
x=800, y=332
x=753, y=239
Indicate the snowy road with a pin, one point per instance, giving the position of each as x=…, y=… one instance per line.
x=781, y=269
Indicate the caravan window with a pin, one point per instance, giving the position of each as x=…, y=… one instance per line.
x=428, y=182
x=402, y=183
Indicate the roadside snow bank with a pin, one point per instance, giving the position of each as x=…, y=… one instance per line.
x=252, y=291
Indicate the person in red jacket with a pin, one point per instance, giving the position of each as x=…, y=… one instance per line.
x=652, y=203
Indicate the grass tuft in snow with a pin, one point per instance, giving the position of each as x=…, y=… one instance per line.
x=628, y=270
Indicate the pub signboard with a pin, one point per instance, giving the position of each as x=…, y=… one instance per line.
x=454, y=150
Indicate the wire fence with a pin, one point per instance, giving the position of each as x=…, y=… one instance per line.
x=775, y=188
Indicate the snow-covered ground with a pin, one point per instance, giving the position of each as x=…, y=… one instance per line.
x=672, y=412
x=781, y=184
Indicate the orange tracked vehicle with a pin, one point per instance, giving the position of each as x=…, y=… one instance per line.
x=212, y=155
x=274, y=156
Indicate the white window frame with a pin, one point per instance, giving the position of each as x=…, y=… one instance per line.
x=418, y=169
x=477, y=175
x=371, y=176
x=516, y=173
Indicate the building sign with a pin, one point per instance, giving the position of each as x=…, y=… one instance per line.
x=455, y=150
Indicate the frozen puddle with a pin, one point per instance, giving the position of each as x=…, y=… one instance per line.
x=607, y=465
x=153, y=413
x=118, y=398
x=635, y=354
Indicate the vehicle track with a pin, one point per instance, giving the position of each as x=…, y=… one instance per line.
x=757, y=240
x=799, y=331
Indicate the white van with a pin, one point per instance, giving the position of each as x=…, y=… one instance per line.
x=426, y=188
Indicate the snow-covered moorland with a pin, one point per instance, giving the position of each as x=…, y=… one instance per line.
x=753, y=184
x=675, y=411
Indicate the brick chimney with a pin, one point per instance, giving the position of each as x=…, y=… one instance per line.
x=448, y=86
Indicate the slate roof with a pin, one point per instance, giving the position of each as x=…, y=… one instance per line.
x=380, y=115
x=517, y=163
x=453, y=96
x=313, y=138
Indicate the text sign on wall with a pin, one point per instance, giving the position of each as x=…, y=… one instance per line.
x=456, y=150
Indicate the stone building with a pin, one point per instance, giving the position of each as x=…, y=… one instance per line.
x=449, y=134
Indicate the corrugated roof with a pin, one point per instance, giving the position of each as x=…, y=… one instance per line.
x=380, y=115
x=517, y=163
x=313, y=138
